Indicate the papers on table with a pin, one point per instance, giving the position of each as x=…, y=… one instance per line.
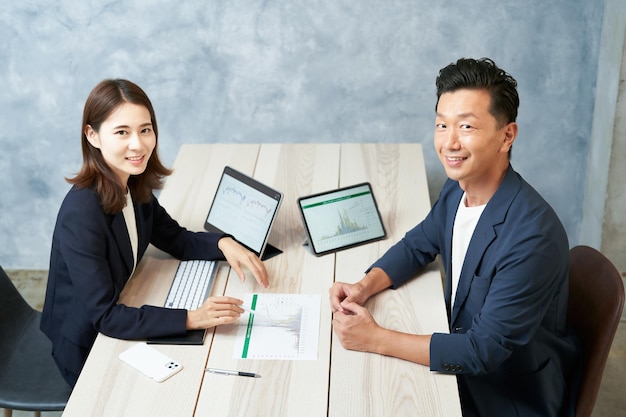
x=279, y=326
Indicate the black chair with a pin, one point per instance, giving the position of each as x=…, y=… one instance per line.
x=29, y=377
x=596, y=301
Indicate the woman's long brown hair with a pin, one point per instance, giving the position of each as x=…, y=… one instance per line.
x=107, y=96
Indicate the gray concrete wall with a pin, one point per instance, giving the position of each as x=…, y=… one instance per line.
x=283, y=71
x=613, y=108
x=603, y=220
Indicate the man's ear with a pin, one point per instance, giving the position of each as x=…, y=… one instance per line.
x=510, y=133
x=92, y=136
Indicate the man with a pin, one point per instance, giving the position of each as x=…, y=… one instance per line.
x=505, y=255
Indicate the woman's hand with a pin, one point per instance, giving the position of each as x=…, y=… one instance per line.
x=213, y=312
x=237, y=256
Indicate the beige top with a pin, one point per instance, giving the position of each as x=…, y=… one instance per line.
x=129, y=217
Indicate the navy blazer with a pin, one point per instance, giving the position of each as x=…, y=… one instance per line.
x=91, y=261
x=508, y=342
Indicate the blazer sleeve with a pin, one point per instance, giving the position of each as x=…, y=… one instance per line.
x=89, y=254
x=156, y=226
x=421, y=245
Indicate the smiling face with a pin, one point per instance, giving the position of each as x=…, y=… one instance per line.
x=126, y=140
x=471, y=144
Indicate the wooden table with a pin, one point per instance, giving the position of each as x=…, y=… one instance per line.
x=340, y=382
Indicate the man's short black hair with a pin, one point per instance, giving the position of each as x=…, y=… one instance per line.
x=482, y=74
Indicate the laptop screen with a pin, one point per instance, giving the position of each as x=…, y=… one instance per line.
x=243, y=208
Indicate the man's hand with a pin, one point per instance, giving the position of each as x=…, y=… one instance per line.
x=342, y=292
x=356, y=328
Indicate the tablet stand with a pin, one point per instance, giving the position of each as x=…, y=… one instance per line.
x=270, y=251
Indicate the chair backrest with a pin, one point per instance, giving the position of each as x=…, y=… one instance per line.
x=596, y=301
x=15, y=313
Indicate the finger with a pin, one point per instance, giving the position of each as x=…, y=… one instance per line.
x=351, y=306
x=260, y=274
x=231, y=311
x=336, y=305
x=340, y=318
x=336, y=296
x=239, y=272
x=259, y=271
x=224, y=299
x=261, y=279
x=228, y=320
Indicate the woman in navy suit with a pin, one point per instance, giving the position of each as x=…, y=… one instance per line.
x=104, y=225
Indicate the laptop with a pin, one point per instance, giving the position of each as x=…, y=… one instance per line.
x=245, y=209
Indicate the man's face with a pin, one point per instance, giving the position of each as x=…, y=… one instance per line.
x=471, y=145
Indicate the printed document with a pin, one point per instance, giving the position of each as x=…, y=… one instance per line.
x=279, y=326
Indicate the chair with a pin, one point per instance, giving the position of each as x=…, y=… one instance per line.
x=29, y=377
x=596, y=301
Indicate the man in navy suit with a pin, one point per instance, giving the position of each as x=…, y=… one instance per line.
x=505, y=255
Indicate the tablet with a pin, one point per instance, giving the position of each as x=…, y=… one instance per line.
x=341, y=219
x=246, y=209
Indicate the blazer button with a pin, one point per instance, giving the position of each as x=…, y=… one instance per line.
x=446, y=367
x=457, y=329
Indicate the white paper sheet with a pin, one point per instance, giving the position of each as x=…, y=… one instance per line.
x=284, y=327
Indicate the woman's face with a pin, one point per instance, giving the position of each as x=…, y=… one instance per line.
x=126, y=140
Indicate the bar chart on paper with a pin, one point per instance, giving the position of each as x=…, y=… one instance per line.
x=281, y=327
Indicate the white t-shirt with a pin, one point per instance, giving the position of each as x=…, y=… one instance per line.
x=464, y=225
x=129, y=217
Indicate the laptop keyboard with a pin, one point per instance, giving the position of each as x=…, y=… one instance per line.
x=192, y=284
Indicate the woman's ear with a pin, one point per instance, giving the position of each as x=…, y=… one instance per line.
x=92, y=136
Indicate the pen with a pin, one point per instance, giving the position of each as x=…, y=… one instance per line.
x=248, y=309
x=235, y=373
x=259, y=315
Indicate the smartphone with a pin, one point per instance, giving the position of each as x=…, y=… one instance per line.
x=150, y=362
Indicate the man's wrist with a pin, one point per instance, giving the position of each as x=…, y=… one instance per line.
x=375, y=281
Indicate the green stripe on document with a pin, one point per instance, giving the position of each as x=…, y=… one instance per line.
x=246, y=343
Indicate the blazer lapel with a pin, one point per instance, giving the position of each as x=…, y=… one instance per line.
x=482, y=237
x=484, y=234
x=120, y=232
x=452, y=208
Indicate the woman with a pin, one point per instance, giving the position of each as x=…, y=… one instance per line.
x=104, y=226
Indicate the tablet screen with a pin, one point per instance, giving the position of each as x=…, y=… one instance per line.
x=245, y=208
x=340, y=219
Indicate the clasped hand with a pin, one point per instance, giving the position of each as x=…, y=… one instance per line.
x=353, y=324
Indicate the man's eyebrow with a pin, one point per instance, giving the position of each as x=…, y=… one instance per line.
x=459, y=116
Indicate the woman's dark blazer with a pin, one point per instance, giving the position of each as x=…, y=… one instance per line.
x=91, y=261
